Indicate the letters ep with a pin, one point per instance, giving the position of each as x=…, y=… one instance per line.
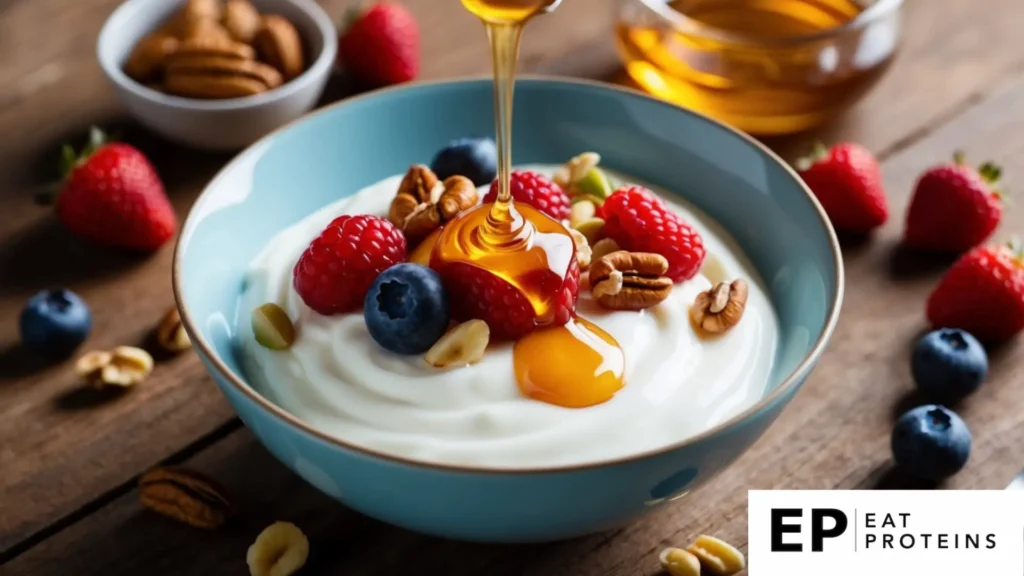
x=789, y=521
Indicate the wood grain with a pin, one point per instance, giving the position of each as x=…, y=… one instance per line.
x=66, y=453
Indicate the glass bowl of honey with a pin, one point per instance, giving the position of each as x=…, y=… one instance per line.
x=767, y=67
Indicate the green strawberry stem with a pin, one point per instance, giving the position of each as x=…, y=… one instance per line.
x=990, y=172
x=818, y=152
x=69, y=160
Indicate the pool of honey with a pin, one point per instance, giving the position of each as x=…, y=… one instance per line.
x=762, y=88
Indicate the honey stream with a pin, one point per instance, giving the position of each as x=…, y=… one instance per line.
x=573, y=365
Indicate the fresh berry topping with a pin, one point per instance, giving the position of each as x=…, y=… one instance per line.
x=948, y=364
x=406, y=309
x=954, y=207
x=54, y=323
x=982, y=293
x=848, y=183
x=477, y=293
x=931, y=443
x=381, y=45
x=537, y=191
x=334, y=273
x=474, y=158
x=639, y=222
x=112, y=196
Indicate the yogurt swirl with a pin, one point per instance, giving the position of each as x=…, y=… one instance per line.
x=339, y=381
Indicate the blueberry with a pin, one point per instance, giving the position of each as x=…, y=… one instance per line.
x=931, y=442
x=54, y=323
x=948, y=364
x=474, y=158
x=406, y=309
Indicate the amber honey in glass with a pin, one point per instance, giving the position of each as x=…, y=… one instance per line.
x=764, y=66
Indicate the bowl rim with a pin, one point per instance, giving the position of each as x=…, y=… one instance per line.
x=788, y=384
x=322, y=65
x=680, y=21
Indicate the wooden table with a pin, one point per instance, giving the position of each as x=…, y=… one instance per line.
x=69, y=459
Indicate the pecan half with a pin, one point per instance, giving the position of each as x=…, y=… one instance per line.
x=223, y=47
x=188, y=25
x=630, y=280
x=241, y=19
x=186, y=496
x=423, y=204
x=279, y=45
x=193, y=85
x=189, y=64
x=147, y=59
x=720, y=308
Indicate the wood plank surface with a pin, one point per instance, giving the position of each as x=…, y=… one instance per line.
x=69, y=458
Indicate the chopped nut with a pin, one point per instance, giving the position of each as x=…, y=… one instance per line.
x=581, y=212
x=124, y=366
x=170, y=334
x=643, y=282
x=423, y=204
x=583, y=254
x=272, y=327
x=593, y=229
x=279, y=45
x=280, y=550
x=575, y=169
x=678, y=562
x=241, y=19
x=463, y=345
x=718, y=556
x=147, y=59
x=186, y=496
x=602, y=247
x=720, y=308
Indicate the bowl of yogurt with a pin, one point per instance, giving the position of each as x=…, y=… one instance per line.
x=462, y=452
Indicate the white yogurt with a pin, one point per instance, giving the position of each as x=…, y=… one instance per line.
x=339, y=381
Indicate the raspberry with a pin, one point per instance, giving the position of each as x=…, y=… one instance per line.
x=334, y=273
x=638, y=221
x=477, y=293
x=537, y=191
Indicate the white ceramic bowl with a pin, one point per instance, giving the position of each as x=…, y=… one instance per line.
x=217, y=124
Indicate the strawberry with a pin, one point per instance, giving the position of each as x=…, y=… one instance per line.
x=847, y=181
x=380, y=45
x=638, y=221
x=954, y=207
x=338, y=267
x=537, y=191
x=111, y=195
x=983, y=293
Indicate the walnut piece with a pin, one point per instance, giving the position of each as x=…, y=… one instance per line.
x=185, y=496
x=280, y=550
x=630, y=280
x=720, y=308
x=170, y=333
x=123, y=366
x=423, y=204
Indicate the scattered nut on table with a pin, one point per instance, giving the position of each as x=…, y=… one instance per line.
x=678, y=562
x=186, y=496
x=463, y=345
x=123, y=366
x=170, y=333
x=719, y=309
x=280, y=550
x=423, y=203
x=630, y=280
x=717, y=556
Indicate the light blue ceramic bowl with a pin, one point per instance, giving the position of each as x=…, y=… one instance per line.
x=339, y=150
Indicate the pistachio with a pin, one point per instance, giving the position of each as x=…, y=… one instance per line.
x=593, y=229
x=580, y=176
x=186, y=496
x=718, y=556
x=170, y=333
x=280, y=549
x=123, y=366
x=241, y=19
x=581, y=212
x=575, y=169
x=583, y=253
x=602, y=247
x=272, y=327
x=594, y=183
x=678, y=562
x=279, y=45
x=463, y=345
x=630, y=280
x=719, y=309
